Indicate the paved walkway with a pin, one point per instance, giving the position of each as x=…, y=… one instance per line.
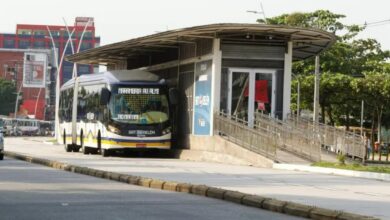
x=362, y=196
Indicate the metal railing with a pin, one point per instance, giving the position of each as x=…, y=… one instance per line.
x=296, y=135
x=236, y=130
x=293, y=139
x=332, y=138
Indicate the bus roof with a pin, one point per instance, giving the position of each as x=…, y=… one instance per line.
x=115, y=76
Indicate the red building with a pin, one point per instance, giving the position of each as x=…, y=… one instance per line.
x=32, y=37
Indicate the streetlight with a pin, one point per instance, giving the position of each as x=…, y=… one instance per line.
x=259, y=12
x=59, y=66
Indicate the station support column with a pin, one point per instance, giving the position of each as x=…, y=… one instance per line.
x=216, y=79
x=287, y=80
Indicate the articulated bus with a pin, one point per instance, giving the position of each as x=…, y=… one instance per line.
x=115, y=110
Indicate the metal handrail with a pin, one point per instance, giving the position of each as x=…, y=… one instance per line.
x=237, y=131
x=332, y=138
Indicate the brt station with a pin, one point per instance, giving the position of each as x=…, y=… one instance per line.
x=228, y=77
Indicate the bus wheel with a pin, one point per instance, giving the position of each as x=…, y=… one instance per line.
x=68, y=148
x=104, y=152
x=84, y=149
x=1, y=156
x=64, y=137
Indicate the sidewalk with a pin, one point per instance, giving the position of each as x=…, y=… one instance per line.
x=333, y=171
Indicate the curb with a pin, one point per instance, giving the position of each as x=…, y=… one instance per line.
x=289, y=208
x=333, y=171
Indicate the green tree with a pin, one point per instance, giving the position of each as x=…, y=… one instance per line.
x=347, y=58
x=375, y=91
x=7, y=97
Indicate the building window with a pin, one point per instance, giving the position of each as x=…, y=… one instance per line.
x=39, y=44
x=86, y=45
x=24, y=44
x=83, y=69
x=55, y=33
x=24, y=32
x=9, y=43
x=39, y=33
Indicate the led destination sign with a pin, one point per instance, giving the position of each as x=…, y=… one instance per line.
x=139, y=91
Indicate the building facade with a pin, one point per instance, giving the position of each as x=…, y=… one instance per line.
x=14, y=59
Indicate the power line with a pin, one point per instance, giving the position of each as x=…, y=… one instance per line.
x=376, y=23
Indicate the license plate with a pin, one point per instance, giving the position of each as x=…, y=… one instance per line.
x=141, y=145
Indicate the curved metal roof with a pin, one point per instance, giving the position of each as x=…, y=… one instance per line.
x=306, y=42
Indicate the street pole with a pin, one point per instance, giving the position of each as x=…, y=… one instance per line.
x=79, y=46
x=17, y=98
x=59, y=66
x=299, y=99
x=362, y=118
x=316, y=106
x=36, y=103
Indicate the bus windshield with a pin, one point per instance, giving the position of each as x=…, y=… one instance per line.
x=139, y=105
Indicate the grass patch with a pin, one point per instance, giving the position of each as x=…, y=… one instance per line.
x=51, y=140
x=355, y=166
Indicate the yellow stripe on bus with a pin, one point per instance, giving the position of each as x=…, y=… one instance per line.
x=126, y=144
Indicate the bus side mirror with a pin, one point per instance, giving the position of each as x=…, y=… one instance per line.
x=104, y=96
x=173, y=96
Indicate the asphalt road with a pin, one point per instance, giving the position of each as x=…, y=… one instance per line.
x=356, y=195
x=29, y=191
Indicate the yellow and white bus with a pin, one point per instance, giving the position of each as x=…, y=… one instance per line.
x=115, y=110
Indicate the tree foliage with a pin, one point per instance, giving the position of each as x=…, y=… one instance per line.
x=340, y=91
x=7, y=97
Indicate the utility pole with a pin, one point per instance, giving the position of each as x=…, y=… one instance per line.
x=317, y=77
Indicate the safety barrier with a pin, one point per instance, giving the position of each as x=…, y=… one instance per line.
x=332, y=138
x=236, y=130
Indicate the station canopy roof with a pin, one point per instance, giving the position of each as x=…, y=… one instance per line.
x=306, y=42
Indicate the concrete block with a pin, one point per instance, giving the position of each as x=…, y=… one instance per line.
x=199, y=190
x=323, y=214
x=296, y=209
x=144, y=181
x=77, y=169
x=68, y=168
x=184, y=187
x=216, y=193
x=133, y=180
x=124, y=178
x=115, y=176
x=99, y=174
x=252, y=200
x=274, y=205
x=55, y=164
x=91, y=172
x=170, y=186
x=157, y=184
x=233, y=196
x=348, y=216
x=85, y=171
x=72, y=168
x=106, y=174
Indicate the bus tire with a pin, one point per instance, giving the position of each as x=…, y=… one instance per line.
x=75, y=148
x=104, y=152
x=68, y=147
x=99, y=143
x=1, y=156
x=84, y=149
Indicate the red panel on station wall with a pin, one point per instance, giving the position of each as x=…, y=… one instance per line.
x=261, y=91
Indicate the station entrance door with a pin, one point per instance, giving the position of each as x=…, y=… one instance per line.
x=251, y=91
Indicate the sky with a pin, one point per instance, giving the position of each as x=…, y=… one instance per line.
x=118, y=20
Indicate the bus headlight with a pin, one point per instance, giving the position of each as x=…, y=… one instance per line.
x=113, y=129
x=166, y=130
